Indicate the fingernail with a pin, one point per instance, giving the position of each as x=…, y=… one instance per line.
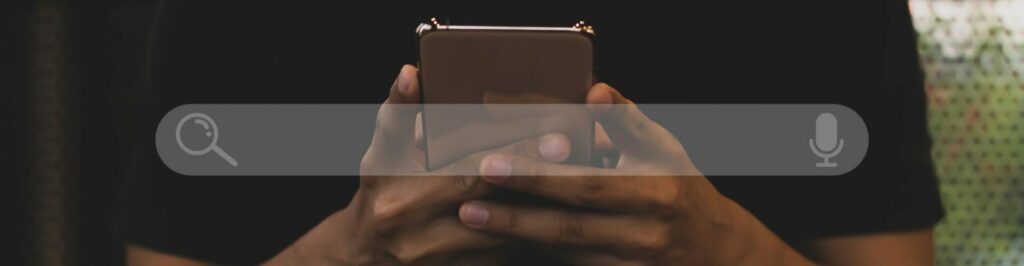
x=403, y=81
x=474, y=214
x=496, y=168
x=554, y=147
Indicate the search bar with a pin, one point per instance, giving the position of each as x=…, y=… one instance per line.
x=330, y=139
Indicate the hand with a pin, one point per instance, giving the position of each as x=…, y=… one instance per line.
x=652, y=208
x=403, y=214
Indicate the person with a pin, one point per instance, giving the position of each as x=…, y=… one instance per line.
x=882, y=213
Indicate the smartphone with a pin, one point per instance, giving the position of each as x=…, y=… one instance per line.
x=484, y=87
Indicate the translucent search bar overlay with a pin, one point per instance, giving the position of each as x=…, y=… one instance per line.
x=331, y=139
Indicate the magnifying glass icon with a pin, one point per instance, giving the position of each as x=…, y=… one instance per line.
x=211, y=132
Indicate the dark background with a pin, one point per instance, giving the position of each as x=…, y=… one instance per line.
x=64, y=193
x=115, y=73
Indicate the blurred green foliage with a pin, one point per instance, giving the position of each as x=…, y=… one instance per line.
x=972, y=53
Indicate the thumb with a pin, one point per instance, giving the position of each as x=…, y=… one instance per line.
x=395, y=132
x=634, y=134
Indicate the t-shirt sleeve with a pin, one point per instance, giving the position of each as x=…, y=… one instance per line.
x=893, y=189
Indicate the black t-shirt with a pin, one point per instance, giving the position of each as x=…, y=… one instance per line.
x=862, y=56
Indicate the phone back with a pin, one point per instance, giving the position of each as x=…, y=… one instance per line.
x=484, y=89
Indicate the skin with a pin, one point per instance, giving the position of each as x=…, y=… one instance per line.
x=621, y=219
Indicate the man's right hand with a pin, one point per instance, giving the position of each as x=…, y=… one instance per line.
x=411, y=218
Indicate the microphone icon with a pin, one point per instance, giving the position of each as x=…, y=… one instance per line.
x=826, y=137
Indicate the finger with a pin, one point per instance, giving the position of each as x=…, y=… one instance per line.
x=582, y=185
x=419, y=140
x=604, y=148
x=406, y=89
x=397, y=116
x=460, y=181
x=633, y=133
x=440, y=241
x=551, y=147
x=626, y=235
x=449, y=142
x=396, y=119
x=554, y=147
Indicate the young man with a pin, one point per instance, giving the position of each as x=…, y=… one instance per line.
x=881, y=213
